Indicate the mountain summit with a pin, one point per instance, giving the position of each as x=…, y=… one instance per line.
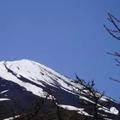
x=24, y=81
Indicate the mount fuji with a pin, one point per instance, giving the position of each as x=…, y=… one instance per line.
x=22, y=82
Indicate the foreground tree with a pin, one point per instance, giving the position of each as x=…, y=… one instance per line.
x=93, y=93
x=115, y=33
x=90, y=86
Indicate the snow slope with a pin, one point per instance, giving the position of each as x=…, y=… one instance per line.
x=34, y=72
x=37, y=78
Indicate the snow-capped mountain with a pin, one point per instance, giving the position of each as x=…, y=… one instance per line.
x=23, y=81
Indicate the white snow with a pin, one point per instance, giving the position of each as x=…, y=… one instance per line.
x=10, y=77
x=84, y=98
x=4, y=99
x=32, y=71
x=12, y=118
x=104, y=98
x=73, y=108
x=114, y=110
x=4, y=91
x=41, y=75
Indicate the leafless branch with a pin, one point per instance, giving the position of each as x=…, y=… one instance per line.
x=117, y=62
x=114, y=80
x=114, y=21
x=112, y=33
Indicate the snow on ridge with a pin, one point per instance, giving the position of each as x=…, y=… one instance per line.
x=12, y=118
x=73, y=108
x=4, y=99
x=10, y=77
x=26, y=61
x=38, y=74
x=35, y=73
x=4, y=91
x=112, y=110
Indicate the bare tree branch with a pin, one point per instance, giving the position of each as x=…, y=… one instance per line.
x=114, y=79
x=111, y=32
x=117, y=62
x=114, y=21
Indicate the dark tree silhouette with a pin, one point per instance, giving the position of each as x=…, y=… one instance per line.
x=115, y=33
x=90, y=86
x=93, y=93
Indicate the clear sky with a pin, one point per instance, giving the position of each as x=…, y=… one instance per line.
x=66, y=35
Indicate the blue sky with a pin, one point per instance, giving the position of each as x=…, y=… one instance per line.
x=66, y=35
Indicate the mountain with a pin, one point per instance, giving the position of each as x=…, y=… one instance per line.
x=26, y=84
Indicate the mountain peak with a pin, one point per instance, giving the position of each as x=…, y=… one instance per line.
x=28, y=78
x=33, y=72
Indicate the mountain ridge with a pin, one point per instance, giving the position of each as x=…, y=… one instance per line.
x=23, y=78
